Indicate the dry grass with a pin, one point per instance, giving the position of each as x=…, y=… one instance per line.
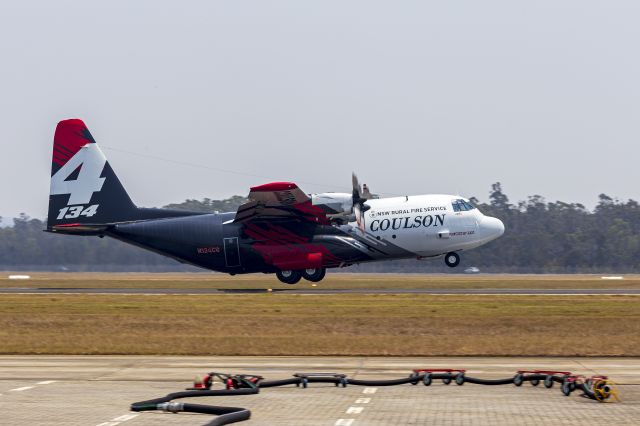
x=276, y=324
x=332, y=282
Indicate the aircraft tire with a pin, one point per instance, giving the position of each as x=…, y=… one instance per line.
x=452, y=259
x=314, y=275
x=289, y=277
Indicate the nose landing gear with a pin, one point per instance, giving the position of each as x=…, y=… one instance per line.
x=452, y=259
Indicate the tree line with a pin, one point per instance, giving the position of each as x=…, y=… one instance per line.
x=540, y=237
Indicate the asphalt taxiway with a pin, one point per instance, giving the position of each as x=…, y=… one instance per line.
x=97, y=391
x=441, y=291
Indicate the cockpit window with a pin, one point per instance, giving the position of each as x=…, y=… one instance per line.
x=461, y=205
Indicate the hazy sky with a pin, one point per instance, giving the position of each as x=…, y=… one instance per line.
x=417, y=97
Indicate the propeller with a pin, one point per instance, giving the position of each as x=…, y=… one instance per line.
x=360, y=195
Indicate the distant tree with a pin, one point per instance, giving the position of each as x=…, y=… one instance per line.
x=497, y=198
x=540, y=236
x=604, y=201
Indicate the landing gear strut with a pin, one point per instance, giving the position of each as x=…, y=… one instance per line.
x=452, y=259
x=314, y=275
x=289, y=277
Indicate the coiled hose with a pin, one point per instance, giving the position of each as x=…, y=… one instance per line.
x=228, y=415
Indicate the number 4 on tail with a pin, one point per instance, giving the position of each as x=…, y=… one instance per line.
x=89, y=162
x=73, y=212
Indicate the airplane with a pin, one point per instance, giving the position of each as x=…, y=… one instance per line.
x=279, y=230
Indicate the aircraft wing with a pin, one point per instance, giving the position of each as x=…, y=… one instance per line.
x=282, y=200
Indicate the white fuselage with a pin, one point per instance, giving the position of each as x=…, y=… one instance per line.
x=429, y=225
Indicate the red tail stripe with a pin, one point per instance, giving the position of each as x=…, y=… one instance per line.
x=63, y=150
x=70, y=136
x=59, y=160
x=62, y=156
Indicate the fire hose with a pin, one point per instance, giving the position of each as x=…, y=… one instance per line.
x=597, y=388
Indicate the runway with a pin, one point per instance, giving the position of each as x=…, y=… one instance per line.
x=315, y=291
x=97, y=391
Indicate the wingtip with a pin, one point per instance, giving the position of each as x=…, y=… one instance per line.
x=274, y=186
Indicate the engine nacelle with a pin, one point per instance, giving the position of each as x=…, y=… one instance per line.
x=334, y=203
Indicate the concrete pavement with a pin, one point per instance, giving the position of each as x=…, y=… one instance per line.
x=97, y=390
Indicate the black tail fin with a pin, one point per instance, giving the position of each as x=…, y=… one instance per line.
x=84, y=188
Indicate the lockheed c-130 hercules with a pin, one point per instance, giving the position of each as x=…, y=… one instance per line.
x=279, y=230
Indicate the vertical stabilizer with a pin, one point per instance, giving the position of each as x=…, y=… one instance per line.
x=84, y=188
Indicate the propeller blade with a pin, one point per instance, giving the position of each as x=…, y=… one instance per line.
x=354, y=181
x=360, y=195
x=359, y=216
x=356, y=188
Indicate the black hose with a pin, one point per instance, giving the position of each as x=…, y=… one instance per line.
x=276, y=383
x=587, y=391
x=226, y=415
x=395, y=382
x=489, y=382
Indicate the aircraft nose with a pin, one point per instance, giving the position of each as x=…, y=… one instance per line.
x=492, y=227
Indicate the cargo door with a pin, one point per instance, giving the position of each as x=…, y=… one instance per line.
x=232, y=252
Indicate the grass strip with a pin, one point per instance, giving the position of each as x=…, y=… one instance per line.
x=276, y=324
x=334, y=281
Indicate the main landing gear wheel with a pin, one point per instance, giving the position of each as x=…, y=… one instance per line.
x=452, y=259
x=314, y=275
x=289, y=277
